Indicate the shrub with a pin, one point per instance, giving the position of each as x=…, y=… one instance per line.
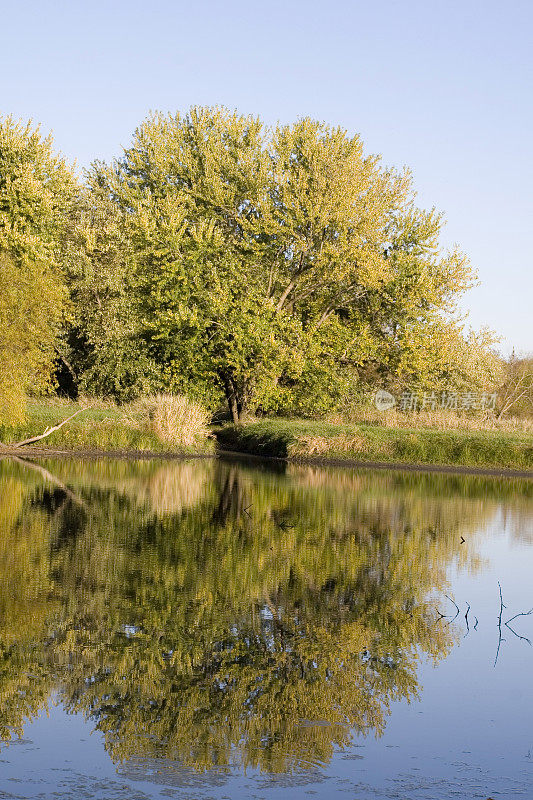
x=175, y=419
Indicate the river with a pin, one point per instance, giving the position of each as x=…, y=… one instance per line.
x=215, y=629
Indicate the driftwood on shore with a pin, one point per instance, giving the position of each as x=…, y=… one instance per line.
x=47, y=432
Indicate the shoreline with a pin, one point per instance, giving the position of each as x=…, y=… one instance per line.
x=396, y=466
x=318, y=461
x=94, y=453
x=311, y=442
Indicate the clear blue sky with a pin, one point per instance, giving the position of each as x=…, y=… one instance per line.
x=443, y=86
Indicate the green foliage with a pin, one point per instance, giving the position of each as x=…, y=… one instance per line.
x=31, y=303
x=103, y=348
x=36, y=193
x=36, y=189
x=272, y=268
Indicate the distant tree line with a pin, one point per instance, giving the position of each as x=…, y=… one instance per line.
x=270, y=269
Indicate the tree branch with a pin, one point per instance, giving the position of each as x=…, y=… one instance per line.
x=48, y=431
x=292, y=283
x=285, y=294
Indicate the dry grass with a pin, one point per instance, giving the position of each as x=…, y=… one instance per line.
x=160, y=423
x=308, y=445
x=300, y=438
x=174, y=419
x=441, y=420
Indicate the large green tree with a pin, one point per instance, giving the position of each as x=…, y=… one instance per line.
x=273, y=267
x=103, y=351
x=36, y=193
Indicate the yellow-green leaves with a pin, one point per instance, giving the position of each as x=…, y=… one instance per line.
x=36, y=193
x=274, y=266
x=36, y=189
x=31, y=302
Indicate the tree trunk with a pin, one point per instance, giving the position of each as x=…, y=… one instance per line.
x=234, y=404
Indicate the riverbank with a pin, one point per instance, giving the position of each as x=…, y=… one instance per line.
x=304, y=440
x=122, y=432
x=102, y=428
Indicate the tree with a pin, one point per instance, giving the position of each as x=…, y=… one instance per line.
x=36, y=192
x=31, y=304
x=272, y=267
x=102, y=350
x=204, y=312
x=515, y=388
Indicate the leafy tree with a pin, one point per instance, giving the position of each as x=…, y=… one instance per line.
x=102, y=349
x=418, y=337
x=272, y=267
x=31, y=303
x=204, y=310
x=36, y=192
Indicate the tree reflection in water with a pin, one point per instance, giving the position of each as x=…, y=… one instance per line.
x=216, y=615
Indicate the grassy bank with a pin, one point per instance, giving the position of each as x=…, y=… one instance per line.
x=300, y=439
x=137, y=427
x=103, y=426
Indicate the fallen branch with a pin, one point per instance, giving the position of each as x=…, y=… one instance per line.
x=466, y=620
x=523, y=638
x=456, y=606
x=522, y=614
x=48, y=431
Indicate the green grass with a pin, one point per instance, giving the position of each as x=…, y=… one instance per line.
x=105, y=428
x=300, y=439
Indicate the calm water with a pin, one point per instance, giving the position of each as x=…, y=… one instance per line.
x=206, y=630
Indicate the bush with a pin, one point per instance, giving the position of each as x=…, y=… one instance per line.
x=174, y=419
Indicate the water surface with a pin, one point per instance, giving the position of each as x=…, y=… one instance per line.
x=205, y=629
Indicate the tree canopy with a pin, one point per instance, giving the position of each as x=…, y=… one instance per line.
x=273, y=267
x=37, y=190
